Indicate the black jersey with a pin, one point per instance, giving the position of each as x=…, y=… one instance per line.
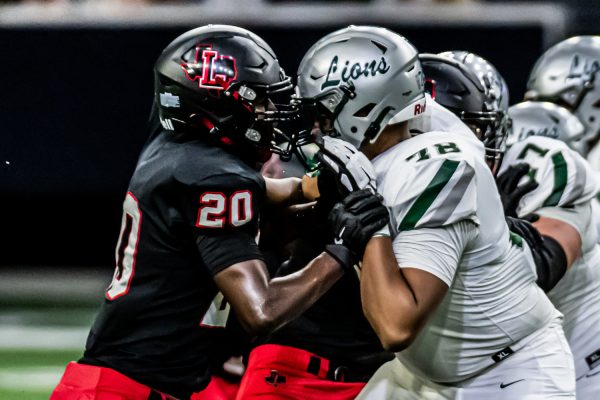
x=335, y=326
x=191, y=211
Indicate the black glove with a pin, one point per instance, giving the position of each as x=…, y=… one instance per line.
x=354, y=221
x=510, y=192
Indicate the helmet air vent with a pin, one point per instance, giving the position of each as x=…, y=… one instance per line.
x=363, y=112
x=380, y=46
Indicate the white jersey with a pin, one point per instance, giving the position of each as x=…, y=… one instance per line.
x=596, y=214
x=593, y=156
x=567, y=188
x=565, y=178
x=438, y=185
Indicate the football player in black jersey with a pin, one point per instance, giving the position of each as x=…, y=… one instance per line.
x=330, y=350
x=187, y=252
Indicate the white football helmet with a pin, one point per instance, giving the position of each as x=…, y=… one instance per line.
x=540, y=118
x=359, y=78
x=566, y=75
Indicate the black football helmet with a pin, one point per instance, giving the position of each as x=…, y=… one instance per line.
x=472, y=89
x=218, y=80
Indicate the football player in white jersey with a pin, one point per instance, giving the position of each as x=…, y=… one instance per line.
x=560, y=196
x=567, y=185
x=448, y=288
x=568, y=74
x=472, y=88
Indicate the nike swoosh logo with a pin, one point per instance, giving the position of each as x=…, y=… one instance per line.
x=503, y=385
x=339, y=240
x=595, y=373
x=587, y=375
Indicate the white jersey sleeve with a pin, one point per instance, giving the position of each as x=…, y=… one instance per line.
x=436, y=189
x=564, y=177
x=434, y=250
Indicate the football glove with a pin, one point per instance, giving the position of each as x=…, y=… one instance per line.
x=510, y=191
x=354, y=221
x=342, y=170
x=352, y=168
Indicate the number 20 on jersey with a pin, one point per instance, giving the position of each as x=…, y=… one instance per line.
x=217, y=209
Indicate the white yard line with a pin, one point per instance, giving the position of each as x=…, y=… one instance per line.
x=35, y=378
x=42, y=337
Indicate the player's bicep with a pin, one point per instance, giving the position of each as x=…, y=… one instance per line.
x=436, y=251
x=567, y=226
x=428, y=290
x=245, y=285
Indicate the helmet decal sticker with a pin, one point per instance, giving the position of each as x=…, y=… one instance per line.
x=582, y=68
x=169, y=100
x=548, y=131
x=211, y=70
x=356, y=71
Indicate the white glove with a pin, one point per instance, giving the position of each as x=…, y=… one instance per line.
x=353, y=169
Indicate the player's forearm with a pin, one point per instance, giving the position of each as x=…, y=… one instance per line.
x=284, y=191
x=263, y=305
x=387, y=299
x=291, y=295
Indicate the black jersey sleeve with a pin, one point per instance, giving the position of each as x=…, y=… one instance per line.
x=223, y=211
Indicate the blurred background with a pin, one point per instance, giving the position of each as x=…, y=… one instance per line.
x=76, y=89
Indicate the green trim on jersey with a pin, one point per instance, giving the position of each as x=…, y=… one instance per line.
x=515, y=239
x=560, y=180
x=424, y=201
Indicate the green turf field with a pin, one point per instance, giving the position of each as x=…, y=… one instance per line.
x=31, y=374
x=36, y=343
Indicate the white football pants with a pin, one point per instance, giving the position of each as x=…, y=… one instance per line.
x=542, y=369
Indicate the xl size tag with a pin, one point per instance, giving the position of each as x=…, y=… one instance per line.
x=593, y=359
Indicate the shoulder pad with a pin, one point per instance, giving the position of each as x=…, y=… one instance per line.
x=564, y=177
x=435, y=192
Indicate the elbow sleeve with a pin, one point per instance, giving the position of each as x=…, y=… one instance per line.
x=550, y=263
x=549, y=257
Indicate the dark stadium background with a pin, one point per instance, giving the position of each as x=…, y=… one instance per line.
x=74, y=107
x=76, y=88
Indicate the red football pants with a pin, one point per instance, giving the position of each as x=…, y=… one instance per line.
x=87, y=382
x=218, y=389
x=282, y=373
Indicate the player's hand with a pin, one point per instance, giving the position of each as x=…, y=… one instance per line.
x=510, y=191
x=354, y=221
x=342, y=170
x=351, y=168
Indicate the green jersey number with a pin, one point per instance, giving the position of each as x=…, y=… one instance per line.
x=440, y=148
x=560, y=172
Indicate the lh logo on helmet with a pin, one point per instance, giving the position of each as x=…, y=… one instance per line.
x=211, y=70
x=354, y=71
